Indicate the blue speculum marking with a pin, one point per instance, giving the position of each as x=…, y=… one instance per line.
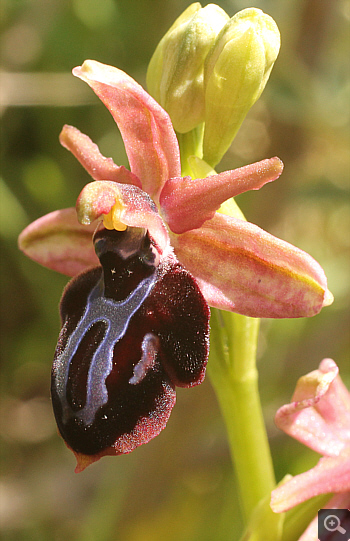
x=149, y=348
x=116, y=315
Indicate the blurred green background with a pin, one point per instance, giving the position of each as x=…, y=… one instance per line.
x=180, y=486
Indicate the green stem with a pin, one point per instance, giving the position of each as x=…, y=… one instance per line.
x=190, y=144
x=232, y=369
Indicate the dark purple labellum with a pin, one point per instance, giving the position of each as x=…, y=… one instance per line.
x=132, y=329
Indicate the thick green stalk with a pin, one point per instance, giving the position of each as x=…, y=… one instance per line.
x=232, y=369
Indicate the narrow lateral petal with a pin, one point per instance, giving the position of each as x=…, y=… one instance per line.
x=329, y=475
x=135, y=208
x=98, y=166
x=148, y=135
x=59, y=242
x=319, y=414
x=242, y=268
x=186, y=204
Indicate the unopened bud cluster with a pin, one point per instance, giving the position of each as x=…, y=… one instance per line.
x=212, y=69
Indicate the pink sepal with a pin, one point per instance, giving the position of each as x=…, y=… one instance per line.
x=137, y=208
x=319, y=414
x=186, y=203
x=148, y=134
x=98, y=166
x=242, y=268
x=329, y=475
x=319, y=417
x=59, y=242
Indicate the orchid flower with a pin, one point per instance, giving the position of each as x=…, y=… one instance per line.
x=319, y=417
x=149, y=251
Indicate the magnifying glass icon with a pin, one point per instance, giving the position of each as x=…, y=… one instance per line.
x=332, y=524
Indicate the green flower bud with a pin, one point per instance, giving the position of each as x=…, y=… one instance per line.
x=175, y=72
x=236, y=71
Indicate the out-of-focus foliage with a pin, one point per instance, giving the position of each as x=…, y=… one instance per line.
x=179, y=486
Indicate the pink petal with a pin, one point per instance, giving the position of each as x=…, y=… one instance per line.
x=186, y=204
x=138, y=210
x=329, y=475
x=335, y=403
x=58, y=241
x=88, y=154
x=241, y=268
x=148, y=135
x=319, y=415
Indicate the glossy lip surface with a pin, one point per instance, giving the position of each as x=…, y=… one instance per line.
x=119, y=357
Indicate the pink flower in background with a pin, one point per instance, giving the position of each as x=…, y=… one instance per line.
x=319, y=417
